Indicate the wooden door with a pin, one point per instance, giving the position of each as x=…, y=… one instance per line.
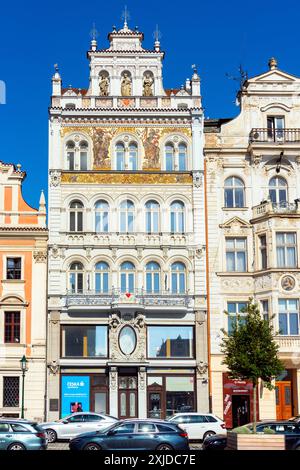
x=128, y=397
x=283, y=400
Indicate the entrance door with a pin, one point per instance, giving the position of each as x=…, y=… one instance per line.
x=283, y=400
x=240, y=410
x=155, y=405
x=127, y=397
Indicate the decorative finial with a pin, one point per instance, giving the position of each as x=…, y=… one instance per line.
x=157, y=37
x=18, y=165
x=56, y=67
x=272, y=63
x=114, y=28
x=195, y=68
x=94, y=32
x=125, y=17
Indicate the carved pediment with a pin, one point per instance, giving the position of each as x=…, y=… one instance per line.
x=273, y=76
x=235, y=225
x=13, y=300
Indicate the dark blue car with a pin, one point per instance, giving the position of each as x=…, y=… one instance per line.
x=134, y=435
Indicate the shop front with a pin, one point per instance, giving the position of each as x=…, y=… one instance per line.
x=237, y=402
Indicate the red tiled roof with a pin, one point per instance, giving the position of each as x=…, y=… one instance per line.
x=82, y=91
x=172, y=90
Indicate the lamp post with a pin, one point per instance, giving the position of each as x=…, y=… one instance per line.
x=23, y=362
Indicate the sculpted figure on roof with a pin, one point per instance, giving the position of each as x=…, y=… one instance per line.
x=104, y=85
x=126, y=85
x=147, y=85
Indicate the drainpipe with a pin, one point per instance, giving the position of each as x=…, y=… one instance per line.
x=207, y=291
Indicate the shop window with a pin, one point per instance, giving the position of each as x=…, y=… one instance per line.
x=84, y=341
x=170, y=342
x=179, y=395
x=11, y=392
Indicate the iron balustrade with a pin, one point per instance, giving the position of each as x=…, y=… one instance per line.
x=274, y=135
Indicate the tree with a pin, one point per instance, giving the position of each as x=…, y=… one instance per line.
x=251, y=352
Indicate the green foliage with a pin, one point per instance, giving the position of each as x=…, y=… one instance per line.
x=250, y=350
x=241, y=430
x=269, y=431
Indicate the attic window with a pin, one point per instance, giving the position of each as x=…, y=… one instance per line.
x=70, y=106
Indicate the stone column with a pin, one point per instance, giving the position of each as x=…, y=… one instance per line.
x=142, y=393
x=113, y=391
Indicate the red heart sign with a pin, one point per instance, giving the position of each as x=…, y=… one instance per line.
x=128, y=295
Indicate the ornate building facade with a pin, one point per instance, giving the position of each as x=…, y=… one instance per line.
x=127, y=285
x=253, y=174
x=23, y=312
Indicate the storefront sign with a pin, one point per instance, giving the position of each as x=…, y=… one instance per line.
x=75, y=394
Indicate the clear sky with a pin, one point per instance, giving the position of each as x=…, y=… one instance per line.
x=216, y=35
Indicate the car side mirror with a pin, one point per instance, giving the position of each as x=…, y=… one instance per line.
x=65, y=421
x=111, y=433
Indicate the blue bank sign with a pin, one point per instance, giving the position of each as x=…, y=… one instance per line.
x=75, y=394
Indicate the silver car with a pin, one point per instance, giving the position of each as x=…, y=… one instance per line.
x=76, y=423
x=21, y=434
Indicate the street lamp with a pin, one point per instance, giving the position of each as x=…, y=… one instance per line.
x=23, y=362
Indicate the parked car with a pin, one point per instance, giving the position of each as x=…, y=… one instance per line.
x=215, y=442
x=134, y=434
x=290, y=429
x=21, y=434
x=199, y=425
x=76, y=423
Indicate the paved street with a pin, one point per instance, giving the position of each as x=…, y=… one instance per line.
x=63, y=445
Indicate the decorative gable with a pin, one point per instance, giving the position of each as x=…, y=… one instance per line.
x=236, y=226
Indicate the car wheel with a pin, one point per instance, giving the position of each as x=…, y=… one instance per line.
x=164, y=447
x=208, y=433
x=92, y=446
x=16, y=446
x=51, y=436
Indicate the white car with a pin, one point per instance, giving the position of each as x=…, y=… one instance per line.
x=76, y=423
x=199, y=425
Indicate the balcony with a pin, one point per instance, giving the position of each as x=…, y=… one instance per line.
x=115, y=299
x=128, y=239
x=269, y=208
x=277, y=136
x=288, y=344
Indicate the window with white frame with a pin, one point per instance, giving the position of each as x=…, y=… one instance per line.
x=77, y=154
x=182, y=156
x=76, y=274
x=288, y=316
x=278, y=190
x=275, y=126
x=120, y=156
x=76, y=216
x=236, y=254
x=263, y=251
x=126, y=155
x=177, y=217
x=265, y=309
x=133, y=155
x=101, y=216
x=286, y=249
x=170, y=157
x=13, y=267
x=178, y=278
x=101, y=277
x=127, y=277
x=152, y=216
x=236, y=312
x=127, y=216
x=234, y=192
x=152, y=278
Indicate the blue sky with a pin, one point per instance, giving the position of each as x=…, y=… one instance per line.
x=216, y=35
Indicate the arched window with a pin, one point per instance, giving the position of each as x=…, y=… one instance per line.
x=76, y=278
x=76, y=216
x=120, y=156
x=178, y=281
x=177, y=217
x=127, y=274
x=101, y=277
x=133, y=152
x=182, y=157
x=234, y=192
x=83, y=155
x=152, y=278
x=70, y=148
x=152, y=216
x=169, y=157
x=101, y=216
x=126, y=216
x=278, y=190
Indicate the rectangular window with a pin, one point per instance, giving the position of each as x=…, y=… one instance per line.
x=11, y=391
x=83, y=161
x=234, y=310
x=236, y=254
x=179, y=395
x=84, y=341
x=170, y=341
x=71, y=161
x=263, y=252
x=286, y=249
x=12, y=327
x=13, y=268
x=265, y=309
x=288, y=311
x=275, y=126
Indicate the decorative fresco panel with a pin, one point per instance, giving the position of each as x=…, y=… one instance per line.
x=126, y=178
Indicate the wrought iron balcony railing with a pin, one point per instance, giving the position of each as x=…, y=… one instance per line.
x=262, y=135
x=117, y=297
